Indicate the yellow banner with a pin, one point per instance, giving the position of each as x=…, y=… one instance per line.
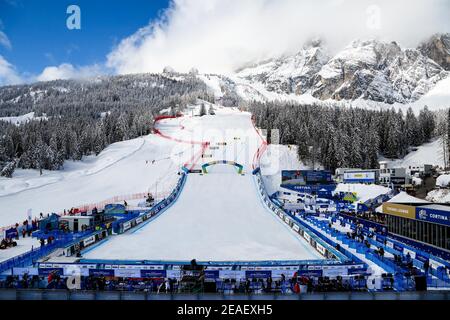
x=399, y=210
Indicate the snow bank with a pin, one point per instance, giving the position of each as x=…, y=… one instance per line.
x=22, y=119
x=403, y=197
x=428, y=153
x=439, y=195
x=364, y=192
x=443, y=180
x=276, y=158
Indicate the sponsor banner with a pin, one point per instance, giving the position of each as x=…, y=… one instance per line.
x=173, y=274
x=435, y=264
x=286, y=219
x=304, y=177
x=389, y=244
x=334, y=271
x=311, y=273
x=231, y=274
x=295, y=227
x=139, y=220
x=127, y=273
x=74, y=270
x=399, y=210
x=153, y=273
x=411, y=253
x=359, y=177
x=22, y=271
x=351, y=271
x=307, y=236
x=258, y=274
x=11, y=233
x=433, y=215
x=320, y=248
x=398, y=248
x=276, y=274
x=421, y=258
x=101, y=272
x=126, y=226
x=115, y=208
x=211, y=274
x=89, y=241
x=47, y=271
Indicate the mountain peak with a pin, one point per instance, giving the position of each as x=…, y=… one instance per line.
x=370, y=69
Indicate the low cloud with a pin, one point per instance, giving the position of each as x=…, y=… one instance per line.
x=4, y=40
x=8, y=73
x=68, y=71
x=222, y=35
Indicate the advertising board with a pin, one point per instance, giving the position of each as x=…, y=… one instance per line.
x=359, y=177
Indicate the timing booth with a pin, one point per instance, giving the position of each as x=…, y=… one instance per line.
x=49, y=223
x=78, y=223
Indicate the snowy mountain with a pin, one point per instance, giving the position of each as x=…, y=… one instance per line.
x=370, y=70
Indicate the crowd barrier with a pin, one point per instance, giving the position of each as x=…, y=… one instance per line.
x=396, y=247
x=35, y=294
x=156, y=210
x=30, y=257
x=322, y=244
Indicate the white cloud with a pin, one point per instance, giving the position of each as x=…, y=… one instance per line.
x=4, y=40
x=221, y=35
x=8, y=73
x=68, y=71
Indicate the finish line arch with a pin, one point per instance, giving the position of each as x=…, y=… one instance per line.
x=212, y=163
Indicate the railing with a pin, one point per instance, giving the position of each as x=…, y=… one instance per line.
x=36, y=294
x=155, y=211
x=322, y=244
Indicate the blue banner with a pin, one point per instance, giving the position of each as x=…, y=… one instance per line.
x=311, y=273
x=153, y=273
x=398, y=248
x=258, y=274
x=356, y=271
x=212, y=274
x=433, y=215
x=421, y=258
x=115, y=208
x=47, y=271
x=101, y=272
x=11, y=233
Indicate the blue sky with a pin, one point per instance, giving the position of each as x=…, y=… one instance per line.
x=38, y=35
x=214, y=36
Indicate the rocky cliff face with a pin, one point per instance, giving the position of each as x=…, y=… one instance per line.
x=373, y=70
x=438, y=49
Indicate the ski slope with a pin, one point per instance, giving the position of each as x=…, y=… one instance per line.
x=219, y=215
x=121, y=169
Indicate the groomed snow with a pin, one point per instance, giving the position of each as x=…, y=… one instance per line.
x=218, y=217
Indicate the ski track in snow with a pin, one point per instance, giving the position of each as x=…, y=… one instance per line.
x=218, y=216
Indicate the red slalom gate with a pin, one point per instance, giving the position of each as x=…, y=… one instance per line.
x=262, y=148
x=195, y=158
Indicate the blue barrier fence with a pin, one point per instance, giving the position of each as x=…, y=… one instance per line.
x=317, y=238
x=30, y=257
x=127, y=224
